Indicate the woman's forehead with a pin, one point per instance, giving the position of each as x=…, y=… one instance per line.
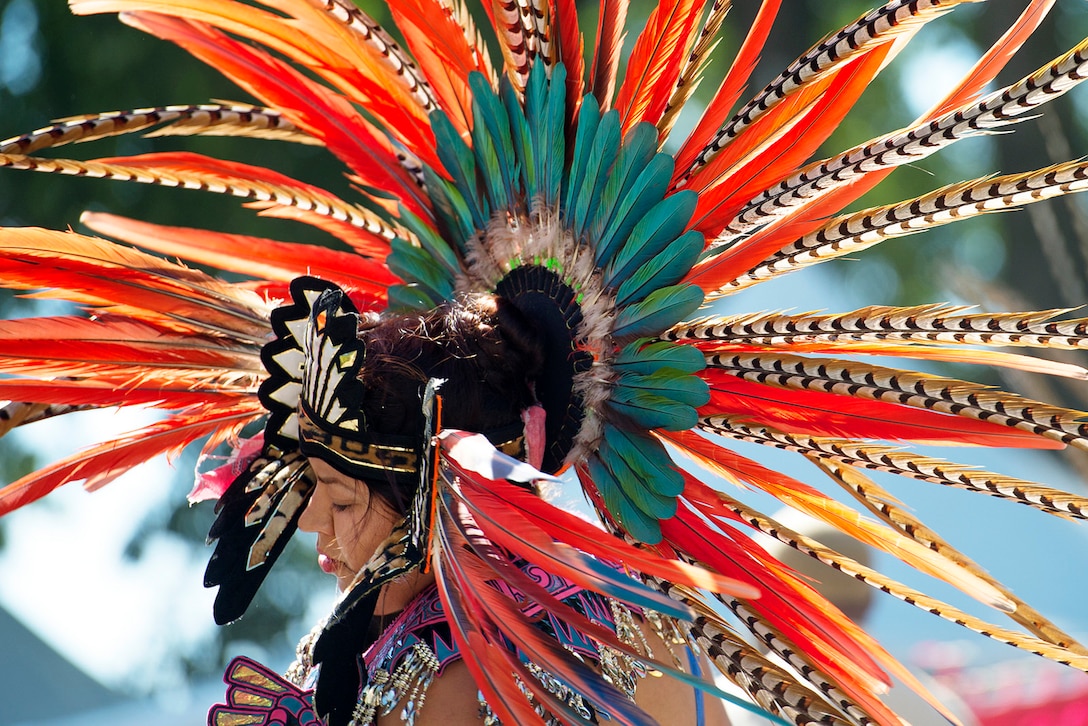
x=328, y=474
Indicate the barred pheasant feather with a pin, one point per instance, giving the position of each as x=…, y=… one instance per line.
x=542, y=177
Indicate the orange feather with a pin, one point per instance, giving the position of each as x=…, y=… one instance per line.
x=242, y=254
x=322, y=113
x=730, y=89
x=995, y=59
x=656, y=62
x=309, y=36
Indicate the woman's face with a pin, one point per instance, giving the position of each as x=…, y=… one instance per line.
x=350, y=523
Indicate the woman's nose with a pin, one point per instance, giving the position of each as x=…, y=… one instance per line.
x=316, y=514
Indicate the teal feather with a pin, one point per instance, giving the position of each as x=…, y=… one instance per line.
x=669, y=383
x=639, y=490
x=430, y=241
x=589, y=118
x=454, y=215
x=411, y=297
x=645, y=356
x=638, y=147
x=666, y=221
x=602, y=155
x=551, y=139
x=663, y=269
x=460, y=163
x=633, y=591
x=661, y=309
x=414, y=264
x=493, y=143
x=651, y=410
x=635, y=522
x=521, y=120
x=649, y=188
x=647, y=457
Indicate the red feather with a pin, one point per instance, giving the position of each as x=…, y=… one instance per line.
x=566, y=33
x=101, y=273
x=815, y=413
x=606, y=58
x=490, y=663
x=101, y=394
x=101, y=464
x=445, y=56
x=767, y=151
x=656, y=62
x=320, y=112
x=257, y=257
x=119, y=341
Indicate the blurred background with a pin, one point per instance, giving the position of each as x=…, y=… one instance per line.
x=103, y=619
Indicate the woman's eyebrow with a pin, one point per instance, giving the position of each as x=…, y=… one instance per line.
x=342, y=483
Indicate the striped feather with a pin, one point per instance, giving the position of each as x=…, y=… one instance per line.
x=209, y=119
x=691, y=69
x=606, y=55
x=946, y=324
x=193, y=171
x=877, y=28
x=861, y=230
x=911, y=389
x=998, y=109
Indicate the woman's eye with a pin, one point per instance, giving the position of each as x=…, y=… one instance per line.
x=340, y=507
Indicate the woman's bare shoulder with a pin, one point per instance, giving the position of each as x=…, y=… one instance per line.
x=450, y=700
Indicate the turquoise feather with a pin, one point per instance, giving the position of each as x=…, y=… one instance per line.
x=639, y=146
x=493, y=143
x=666, y=221
x=646, y=356
x=453, y=213
x=651, y=410
x=430, y=241
x=635, y=522
x=633, y=591
x=649, y=188
x=551, y=139
x=589, y=117
x=663, y=269
x=637, y=488
x=412, y=263
x=647, y=457
x=660, y=310
x=519, y=128
x=410, y=297
x=602, y=155
x=460, y=163
x=669, y=383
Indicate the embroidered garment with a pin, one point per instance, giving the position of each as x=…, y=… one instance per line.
x=415, y=649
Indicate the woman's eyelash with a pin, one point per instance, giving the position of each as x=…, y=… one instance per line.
x=340, y=507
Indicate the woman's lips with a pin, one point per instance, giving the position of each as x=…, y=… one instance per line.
x=327, y=564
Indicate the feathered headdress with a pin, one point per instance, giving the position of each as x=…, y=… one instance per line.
x=544, y=182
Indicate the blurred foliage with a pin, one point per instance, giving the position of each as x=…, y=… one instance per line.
x=53, y=65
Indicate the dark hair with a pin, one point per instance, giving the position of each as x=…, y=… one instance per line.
x=483, y=348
